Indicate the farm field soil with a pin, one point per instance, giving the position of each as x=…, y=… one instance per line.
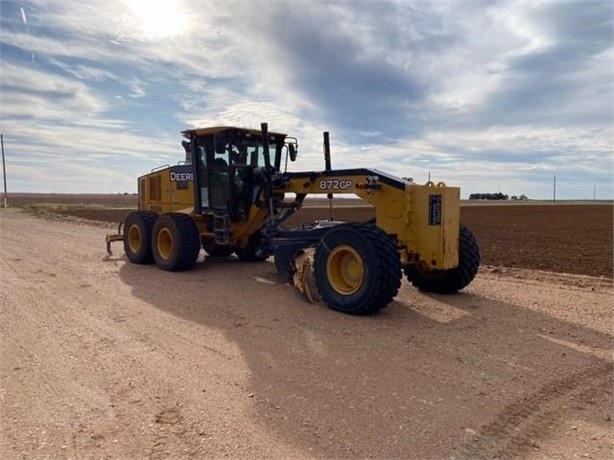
x=100, y=358
x=566, y=238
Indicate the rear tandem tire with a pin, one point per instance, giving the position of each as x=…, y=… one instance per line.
x=455, y=279
x=175, y=242
x=357, y=269
x=137, y=236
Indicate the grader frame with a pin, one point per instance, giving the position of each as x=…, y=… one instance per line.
x=230, y=195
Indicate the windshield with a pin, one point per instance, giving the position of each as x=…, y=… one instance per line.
x=247, y=150
x=255, y=155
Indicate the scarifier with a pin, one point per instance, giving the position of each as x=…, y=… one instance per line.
x=230, y=196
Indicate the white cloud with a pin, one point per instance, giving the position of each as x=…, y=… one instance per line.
x=518, y=19
x=30, y=92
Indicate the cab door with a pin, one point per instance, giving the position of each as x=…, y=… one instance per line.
x=219, y=182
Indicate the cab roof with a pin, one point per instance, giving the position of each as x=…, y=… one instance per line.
x=218, y=129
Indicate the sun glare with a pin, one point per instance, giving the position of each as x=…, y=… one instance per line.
x=159, y=19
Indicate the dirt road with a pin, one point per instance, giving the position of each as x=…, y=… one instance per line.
x=103, y=359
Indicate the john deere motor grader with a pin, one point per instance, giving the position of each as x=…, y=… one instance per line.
x=231, y=195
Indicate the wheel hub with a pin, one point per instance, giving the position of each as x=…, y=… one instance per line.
x=165, y=243
x=134, y=238
x=345, y=269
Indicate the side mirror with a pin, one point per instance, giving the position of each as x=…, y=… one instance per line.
x=219, y=142
x=293, y=152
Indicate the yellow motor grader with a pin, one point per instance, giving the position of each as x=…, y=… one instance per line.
x=232, y=193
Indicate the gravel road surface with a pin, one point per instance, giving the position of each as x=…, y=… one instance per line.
x=104, y=359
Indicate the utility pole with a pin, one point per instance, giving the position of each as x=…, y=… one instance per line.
x=3, y=168
x=554, y=190
x=594, y=192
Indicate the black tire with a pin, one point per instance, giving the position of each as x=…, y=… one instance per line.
x=284, y=267
x=137, y=236
x=175, y=242
x=217, y=250
x=357, y=269
x=455, y=279
x=248, y=254
x=285, y=254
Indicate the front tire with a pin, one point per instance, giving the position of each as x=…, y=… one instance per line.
x=175, y=242
x=137, y=236
x=455, y=279
x=357, y=269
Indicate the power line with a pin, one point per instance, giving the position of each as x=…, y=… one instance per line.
x=554, y=190
x=3, y=169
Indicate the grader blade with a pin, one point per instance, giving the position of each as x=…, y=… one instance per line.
x=303, y=274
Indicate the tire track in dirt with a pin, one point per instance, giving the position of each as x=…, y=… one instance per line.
x=519, y=427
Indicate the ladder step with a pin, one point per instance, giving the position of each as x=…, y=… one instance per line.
x=221, y=229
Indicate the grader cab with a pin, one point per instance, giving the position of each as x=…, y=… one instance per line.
x=233, y=192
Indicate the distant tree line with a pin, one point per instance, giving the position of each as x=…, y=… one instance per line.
x=488, y=196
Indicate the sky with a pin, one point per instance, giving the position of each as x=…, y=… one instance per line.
x=491, y=96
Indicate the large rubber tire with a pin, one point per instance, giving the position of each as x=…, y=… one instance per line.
x=137, y=236
x=248, y=254
x=175, y=242
x=455, y=279
x=216, y=250
x=357, y=269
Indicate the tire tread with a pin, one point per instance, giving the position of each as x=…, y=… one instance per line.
x=384, y=263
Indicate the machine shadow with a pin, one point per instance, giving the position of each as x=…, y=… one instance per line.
x=385, y=385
